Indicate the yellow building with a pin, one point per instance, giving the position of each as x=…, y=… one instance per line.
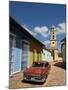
x=53, y=43
x=36, y=49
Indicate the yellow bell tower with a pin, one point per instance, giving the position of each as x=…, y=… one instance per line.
x=53, y=42
x=53, y=38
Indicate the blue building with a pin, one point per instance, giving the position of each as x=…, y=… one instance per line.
x=18, y=44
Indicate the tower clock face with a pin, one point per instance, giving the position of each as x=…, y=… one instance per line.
x=53, y=44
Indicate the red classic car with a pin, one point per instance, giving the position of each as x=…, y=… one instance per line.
x=38, y=72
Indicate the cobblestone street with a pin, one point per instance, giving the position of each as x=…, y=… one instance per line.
x=57, y=77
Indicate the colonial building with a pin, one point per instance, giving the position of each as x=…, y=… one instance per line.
x=46, y=55
x=24, y=48
x=63, y=49
x=53, y=43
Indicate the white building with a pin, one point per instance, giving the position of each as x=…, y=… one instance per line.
x=46, y=55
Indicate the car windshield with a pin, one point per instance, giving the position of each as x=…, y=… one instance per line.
x=37, y=64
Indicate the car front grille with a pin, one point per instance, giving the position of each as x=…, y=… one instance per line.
x=35, y=77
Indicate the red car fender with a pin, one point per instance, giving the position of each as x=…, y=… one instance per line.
x=44, y=72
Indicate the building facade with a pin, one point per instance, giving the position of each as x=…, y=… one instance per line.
x=63, y=49
x=47, y=56
x=23, y=48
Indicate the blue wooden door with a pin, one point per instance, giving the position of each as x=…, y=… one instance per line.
x=12, y=55
x=25, y=56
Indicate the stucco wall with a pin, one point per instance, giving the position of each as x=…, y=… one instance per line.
x=46, y=56
x=35, y=48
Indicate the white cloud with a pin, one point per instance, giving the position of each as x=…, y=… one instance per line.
x=42, y=31
x=46, y=43
x=61, y=28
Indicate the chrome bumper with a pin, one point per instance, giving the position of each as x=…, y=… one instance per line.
x=34, y=80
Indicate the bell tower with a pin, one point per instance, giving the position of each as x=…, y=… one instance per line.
x=53, y=38
x=53, y=42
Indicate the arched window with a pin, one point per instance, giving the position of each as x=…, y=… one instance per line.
x=53, y=32
x=53, y=36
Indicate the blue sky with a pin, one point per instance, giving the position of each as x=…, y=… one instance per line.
x=39, y=18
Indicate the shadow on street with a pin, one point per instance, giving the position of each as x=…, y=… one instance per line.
x=35, y=83
x=61, y=65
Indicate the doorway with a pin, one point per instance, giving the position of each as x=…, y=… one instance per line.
x=25, y=55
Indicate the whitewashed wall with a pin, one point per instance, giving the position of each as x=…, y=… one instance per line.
x=46, y=56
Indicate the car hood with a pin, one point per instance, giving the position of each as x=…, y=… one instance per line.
x=33, y=71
